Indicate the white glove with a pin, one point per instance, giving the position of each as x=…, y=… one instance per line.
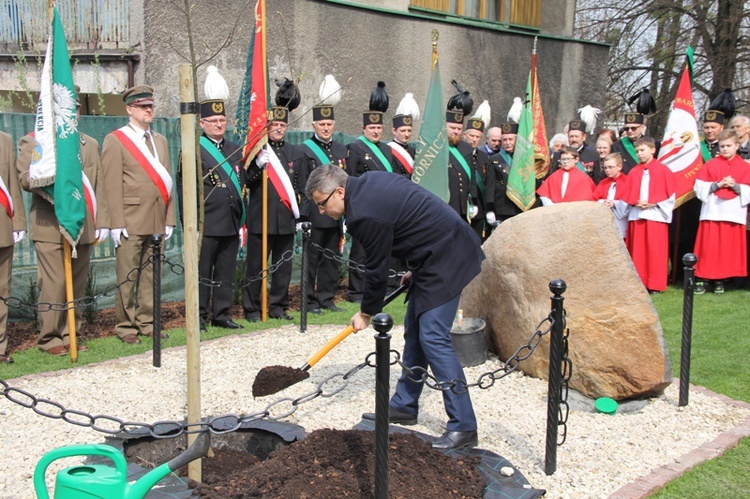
x=263, y=157
x=115, y=234
x=491, y=217
x=168, y=232
x=101, y=235
x=18, y=236
x=473, y=211
x=298, y=227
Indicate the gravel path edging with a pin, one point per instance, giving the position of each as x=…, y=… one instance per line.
x=659, y=477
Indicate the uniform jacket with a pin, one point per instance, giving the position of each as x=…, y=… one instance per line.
x=10, y=177
x=460, y=185
x=360, y=159
x=222, y=203
x=497, y=183
x=588, y=157
x=392, y=216
x=336, y=153
x=280, y=218
x=44, y=226
x=134, y=201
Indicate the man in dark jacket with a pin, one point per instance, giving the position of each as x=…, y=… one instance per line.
x=393, y=217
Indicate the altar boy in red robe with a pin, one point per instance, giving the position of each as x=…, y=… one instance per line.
x=723, y=185
x=567, y=183
x=650, y=191
x=606, y=191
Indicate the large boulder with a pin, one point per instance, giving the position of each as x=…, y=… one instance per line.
x=616, y=342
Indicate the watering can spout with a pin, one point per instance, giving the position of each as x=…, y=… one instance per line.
x=198, y=449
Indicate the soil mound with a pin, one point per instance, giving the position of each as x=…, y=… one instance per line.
x=335, y=463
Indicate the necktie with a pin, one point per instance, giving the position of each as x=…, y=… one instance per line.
x=149, y=145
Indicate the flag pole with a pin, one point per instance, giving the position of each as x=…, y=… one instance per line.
x=264, y=229
x=69, y=298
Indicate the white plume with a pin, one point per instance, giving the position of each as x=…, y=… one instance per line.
x=330, y=91
x=516, y=109
x=215, y=86
x=588, y=115
x=484, y=113
x=408, y=106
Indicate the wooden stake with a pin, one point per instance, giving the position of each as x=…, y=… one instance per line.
x=190, y=249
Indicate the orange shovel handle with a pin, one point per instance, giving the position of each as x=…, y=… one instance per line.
x=329, y=346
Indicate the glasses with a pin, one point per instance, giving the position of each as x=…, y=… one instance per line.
x=143, y=106
x=323, y=203
x=567, y=160
x=631, y=128
x=220, y=121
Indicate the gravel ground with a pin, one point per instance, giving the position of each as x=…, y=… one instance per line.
x=601, y=454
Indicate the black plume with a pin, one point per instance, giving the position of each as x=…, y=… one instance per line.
x=379, y=98
x=725, y=103
x=462, y=100
x=644, y=103
x=287, y=95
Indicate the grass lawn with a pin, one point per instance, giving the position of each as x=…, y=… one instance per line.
x=720, y=349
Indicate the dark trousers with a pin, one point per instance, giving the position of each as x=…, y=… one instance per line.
x=427, y=342
x=278, y=298
x=322, y=269
x=217, y=262
x=356, y=278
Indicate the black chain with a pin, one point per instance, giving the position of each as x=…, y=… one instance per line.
x=179, y=269
x=350, y=264
x=231, y=422
x=84, y=301
x=567, y=373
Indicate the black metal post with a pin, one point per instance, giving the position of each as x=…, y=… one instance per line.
x=687, y=325
x=306, y=226
x=557, y=287
x=156, y=335
x=382, y=324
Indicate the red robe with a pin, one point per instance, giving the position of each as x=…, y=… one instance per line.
x=721, y=244
x=648, y=240
x=602, y=189
x=580, y=187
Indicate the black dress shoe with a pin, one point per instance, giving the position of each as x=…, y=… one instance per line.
x=456, y=440
x=283, y=316
x=6, y=359
x=203, y=326
x=226, y=324
x=334, y=308
x=315, y=311
x=252, y=318
x=395, y=416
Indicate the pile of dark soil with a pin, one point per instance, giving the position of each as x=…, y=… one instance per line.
x=336, y=463
x=273, y=379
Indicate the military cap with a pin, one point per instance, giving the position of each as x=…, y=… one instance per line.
x=372, y=118
x=323, y=112
x=475, y=124
x=577, y=125
x=212, y=107
x=139, y=95
x=634, y=119
x=454, y=116
x=509, y=127
x=713, y=116
x=402, y=120
x=279, y=113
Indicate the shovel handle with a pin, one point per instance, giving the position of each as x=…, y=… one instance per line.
x=328, y=347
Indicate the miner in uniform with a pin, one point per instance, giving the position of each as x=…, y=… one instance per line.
x=499, y=205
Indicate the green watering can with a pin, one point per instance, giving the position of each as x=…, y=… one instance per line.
x=105, y=482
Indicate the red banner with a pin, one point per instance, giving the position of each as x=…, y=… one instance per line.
x=258, y=119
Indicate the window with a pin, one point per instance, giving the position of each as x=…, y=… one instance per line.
x=519, y=12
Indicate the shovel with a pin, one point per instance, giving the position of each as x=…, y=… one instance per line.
x=272, y=379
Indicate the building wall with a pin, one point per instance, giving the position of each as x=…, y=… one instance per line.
x=308, y=39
